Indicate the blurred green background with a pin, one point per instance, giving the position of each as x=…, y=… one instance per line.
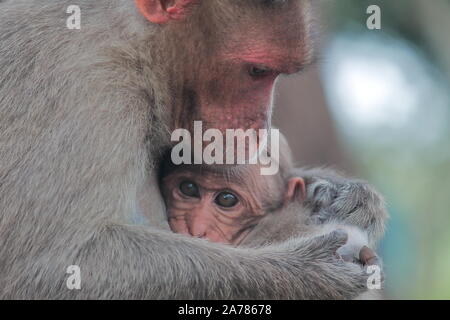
x=378, y=106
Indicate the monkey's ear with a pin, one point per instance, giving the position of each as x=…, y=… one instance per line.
x=162, y=11
x=296, y=190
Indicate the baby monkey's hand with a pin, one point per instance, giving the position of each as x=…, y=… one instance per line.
x=335, y=198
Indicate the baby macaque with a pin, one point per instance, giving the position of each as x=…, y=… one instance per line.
x=238, y=206
x=224, y=204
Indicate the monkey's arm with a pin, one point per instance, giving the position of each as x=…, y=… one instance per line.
x=291, y=221
x=127, y=262
x=335, y=198
x=195, y=269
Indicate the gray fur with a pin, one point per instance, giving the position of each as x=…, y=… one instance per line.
x=332, y=197
x=333, y=202
x=80, y=113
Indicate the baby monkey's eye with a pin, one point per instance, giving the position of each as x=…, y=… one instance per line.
x=190, y=189
x=226, y=200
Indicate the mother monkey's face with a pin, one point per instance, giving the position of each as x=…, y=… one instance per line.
x=222, y=76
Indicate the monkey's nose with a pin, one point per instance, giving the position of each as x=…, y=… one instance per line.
x=198, y=225
x=198, y=230
x=198, y=220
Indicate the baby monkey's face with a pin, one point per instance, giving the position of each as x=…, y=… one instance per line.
x=224, y=206
x=209, y=206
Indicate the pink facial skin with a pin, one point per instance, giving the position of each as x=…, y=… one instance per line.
x=208, y=206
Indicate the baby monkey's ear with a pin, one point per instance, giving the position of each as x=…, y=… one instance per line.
x=296, y=190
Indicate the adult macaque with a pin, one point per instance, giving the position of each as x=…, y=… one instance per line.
x=85, y=115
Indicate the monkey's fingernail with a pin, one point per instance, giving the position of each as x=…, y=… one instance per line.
x=367, y=256
x=373, y=261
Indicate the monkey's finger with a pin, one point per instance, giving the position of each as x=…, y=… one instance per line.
x=347, y=257
x=368, y=257
x=328, y=243
x=334, y=240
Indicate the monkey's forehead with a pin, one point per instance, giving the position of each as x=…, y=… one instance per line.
x=229, y=173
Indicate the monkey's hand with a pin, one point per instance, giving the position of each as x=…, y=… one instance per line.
x=335, y=198
x=325, y=275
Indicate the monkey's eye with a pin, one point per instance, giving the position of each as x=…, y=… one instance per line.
x=189, y=189
x=226, y=200
x=259, y=72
